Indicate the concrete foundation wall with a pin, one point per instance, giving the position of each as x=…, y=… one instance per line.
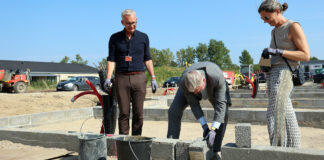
x=257, y=152
x=45, y=118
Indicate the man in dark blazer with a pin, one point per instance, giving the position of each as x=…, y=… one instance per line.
x=202, y=80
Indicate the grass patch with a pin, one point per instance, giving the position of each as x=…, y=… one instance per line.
x=163, y=73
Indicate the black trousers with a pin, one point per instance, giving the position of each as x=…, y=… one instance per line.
x=220, y=133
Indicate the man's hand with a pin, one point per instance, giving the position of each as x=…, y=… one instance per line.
x=154, y=85
x=206, y=130
x=271, y=51
x=107, y=84
x=210, y=138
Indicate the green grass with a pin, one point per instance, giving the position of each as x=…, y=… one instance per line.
x=163, y=73
x=42, y=85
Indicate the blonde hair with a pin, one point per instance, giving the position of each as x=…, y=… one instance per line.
x=193, y=79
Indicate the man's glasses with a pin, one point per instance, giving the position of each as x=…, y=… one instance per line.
x=265, y=18
x=130, y=23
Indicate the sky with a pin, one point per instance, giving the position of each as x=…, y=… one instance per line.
x=48, y=30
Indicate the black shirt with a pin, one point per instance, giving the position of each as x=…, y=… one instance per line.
x=137, y=47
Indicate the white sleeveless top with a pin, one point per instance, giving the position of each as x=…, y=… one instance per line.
x=283, y=42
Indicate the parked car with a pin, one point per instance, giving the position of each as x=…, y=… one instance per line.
x=319, y=78
x=78, y=83
x=308, y=76
x=262, y=77
x=171, y=82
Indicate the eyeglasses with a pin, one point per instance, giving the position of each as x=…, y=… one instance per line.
x=265, y=18
x=130, y=23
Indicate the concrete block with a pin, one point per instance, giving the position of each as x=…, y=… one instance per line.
x=188, y=116
x=257, y=152
x=68, y=141
x=163, y=149
x=156, y=114
x=4, y=122
x=198, y=150
x=182, y=150
x=97, y=112
x=243, y=135
x=40, y=118
x=17, y=121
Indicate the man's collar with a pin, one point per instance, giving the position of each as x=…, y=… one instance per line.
x=124, y=32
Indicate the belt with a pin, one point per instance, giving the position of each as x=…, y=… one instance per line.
x=129, y=73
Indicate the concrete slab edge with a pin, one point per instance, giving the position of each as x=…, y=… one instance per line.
x=37, y=119
x=257, y=152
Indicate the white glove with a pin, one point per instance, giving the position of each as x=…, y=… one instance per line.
x=107, y=84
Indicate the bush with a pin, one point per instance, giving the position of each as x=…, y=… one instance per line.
x=42, y=84
x=163, y=73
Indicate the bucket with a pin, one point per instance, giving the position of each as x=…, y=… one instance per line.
x=92, y=146
x=134, y=148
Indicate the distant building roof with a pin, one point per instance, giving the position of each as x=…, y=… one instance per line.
x=313, y=62
x=47, y=67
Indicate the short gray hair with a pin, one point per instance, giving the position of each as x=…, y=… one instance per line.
x=193, y=79
x=272, y=5
x=127, y=12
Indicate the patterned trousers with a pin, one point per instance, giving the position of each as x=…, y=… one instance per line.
x=282, y=131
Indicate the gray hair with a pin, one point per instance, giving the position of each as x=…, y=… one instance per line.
x=272, y=6
x=127, y=12
x=193, y=79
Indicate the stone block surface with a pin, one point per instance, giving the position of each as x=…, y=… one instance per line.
x=182, y=150
x=198, y=150
x=243, y=135
x=258, y=152
x=163, y=149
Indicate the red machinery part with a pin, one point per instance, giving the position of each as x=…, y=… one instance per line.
x=81, y=94
x=253, y=87
x=95, y=91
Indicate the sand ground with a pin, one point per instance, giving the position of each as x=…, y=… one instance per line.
x=28, y=103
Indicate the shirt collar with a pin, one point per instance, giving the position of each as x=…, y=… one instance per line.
x=124, y=32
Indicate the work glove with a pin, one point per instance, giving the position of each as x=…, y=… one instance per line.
x=206, y=130
x=107, y=84
x=271, y=51
x=210, y=138
x=154, y=85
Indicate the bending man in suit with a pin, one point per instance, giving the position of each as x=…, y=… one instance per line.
x=202, y=80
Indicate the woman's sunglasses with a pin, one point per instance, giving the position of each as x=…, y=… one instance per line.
x=265, y=18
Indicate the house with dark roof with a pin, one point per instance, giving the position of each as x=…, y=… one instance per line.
x=50, y=70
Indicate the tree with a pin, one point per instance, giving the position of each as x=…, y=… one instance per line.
x=256, y=67
x=218, y=53
x=202, y=52
x=314, y=58
x=155, y=56
x=79, y=60
x=246, y=58
x=161, y=57
x=101, y=65
x=166, y=57
x=181, y=57
x=190, y=55
x=65, y=59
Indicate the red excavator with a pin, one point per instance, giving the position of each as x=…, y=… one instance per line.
x=14, y=81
